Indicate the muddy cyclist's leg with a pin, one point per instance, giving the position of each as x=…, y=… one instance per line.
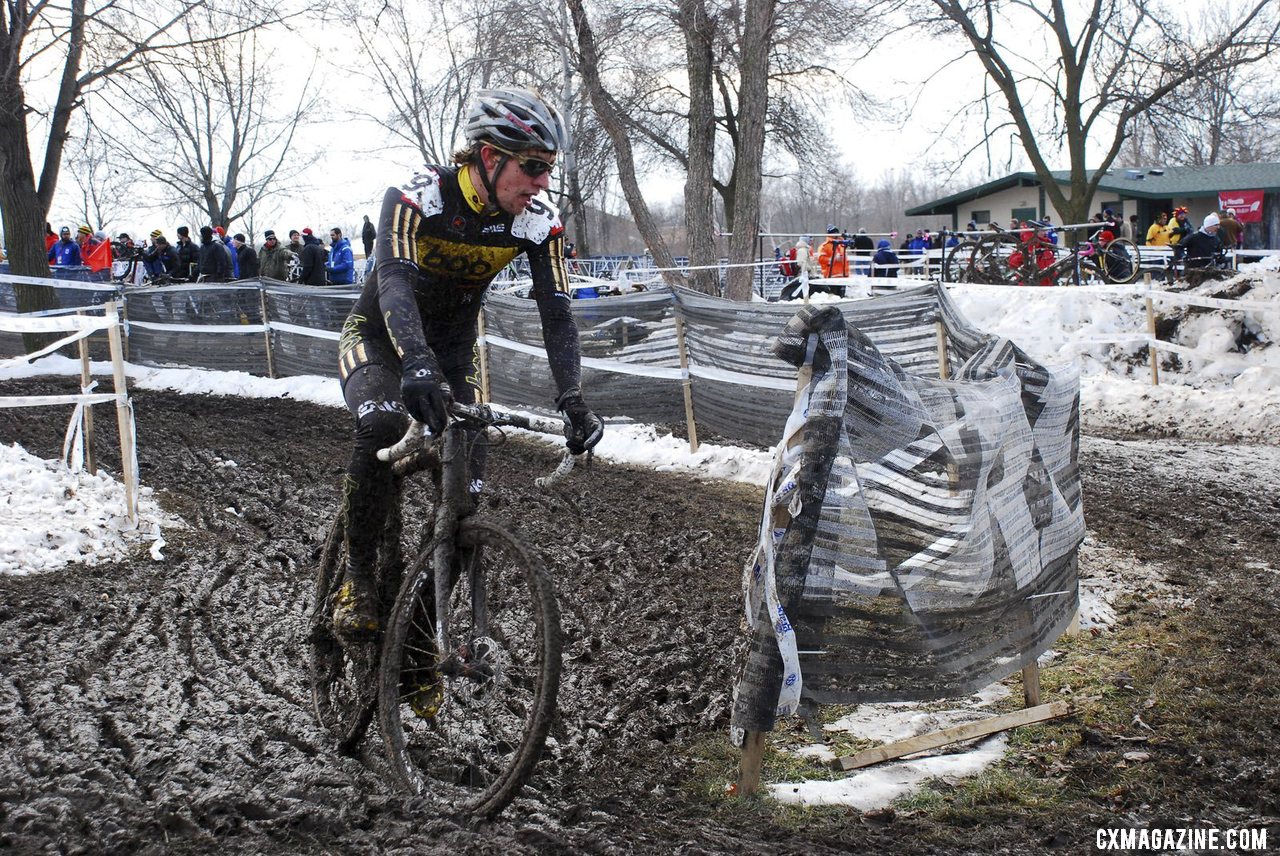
x=372, y=393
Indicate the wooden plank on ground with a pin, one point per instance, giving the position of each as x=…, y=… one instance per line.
x=954, y=734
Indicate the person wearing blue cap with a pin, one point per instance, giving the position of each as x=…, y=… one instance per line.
x=885, y=261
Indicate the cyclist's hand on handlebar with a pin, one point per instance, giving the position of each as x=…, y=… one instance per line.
x=583, y=429
x=426, y=393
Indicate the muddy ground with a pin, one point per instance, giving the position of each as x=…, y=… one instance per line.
x=163, y=707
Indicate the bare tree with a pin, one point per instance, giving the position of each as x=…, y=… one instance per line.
x=101, y=180
x=757, y=35
x=1232, y=117
x=227, y=130
x=427, y=59
x=87, y=42
x=615, y=126
x=1110, y=61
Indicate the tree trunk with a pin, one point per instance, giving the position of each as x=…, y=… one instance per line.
x=752, y=112
x=699, y=213
x=589, y=59
x=23, y=215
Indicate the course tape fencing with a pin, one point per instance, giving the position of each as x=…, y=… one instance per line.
x=919, y=535
x=631, y=345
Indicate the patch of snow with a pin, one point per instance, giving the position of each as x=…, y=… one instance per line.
x=56, y=517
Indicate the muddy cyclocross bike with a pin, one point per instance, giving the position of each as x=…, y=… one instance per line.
x=464, y=678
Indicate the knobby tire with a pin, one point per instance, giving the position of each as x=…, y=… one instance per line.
x=341, y=676
x=479, y=749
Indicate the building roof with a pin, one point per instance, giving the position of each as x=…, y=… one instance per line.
x=1155, y=183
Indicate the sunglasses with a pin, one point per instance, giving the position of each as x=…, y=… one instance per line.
x=530, y=166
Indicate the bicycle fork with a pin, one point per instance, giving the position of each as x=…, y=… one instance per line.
x=459, y=660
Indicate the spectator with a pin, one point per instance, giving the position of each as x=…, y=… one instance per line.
x=571, y=250
x=1180, y=227
x=84, y=239
x=1132, y=233
x=341, y=265
x=214, y=265
x=885, y=261
x=161, y=261
x=863, y=249
x=368, y=234
x=232, y=258
x=50, y=237
x=1158, y=234
x=313, y=259
x=96, y=252
x=188, y=256
x=1232, y=230
x=1202, y=247
x=65, y=252
x=799, y=259
x=1179, y=230
x=246, y=257
x=273, y=258
x=1050, y=233
x=832, y=259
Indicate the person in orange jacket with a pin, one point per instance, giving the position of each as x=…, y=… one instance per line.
x=831, y=255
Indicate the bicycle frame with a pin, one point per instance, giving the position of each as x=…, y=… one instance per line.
x=467, y=423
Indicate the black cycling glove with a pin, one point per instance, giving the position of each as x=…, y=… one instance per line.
x=583, y=428
x=426, y=393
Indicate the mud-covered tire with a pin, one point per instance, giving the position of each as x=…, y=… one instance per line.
x=479, y=749
x=342, y=679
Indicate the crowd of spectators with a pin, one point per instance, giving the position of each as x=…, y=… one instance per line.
x=216, y=257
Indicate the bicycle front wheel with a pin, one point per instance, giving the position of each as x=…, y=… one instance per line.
x=467, y=725
x=342, y=675
x=958, y=266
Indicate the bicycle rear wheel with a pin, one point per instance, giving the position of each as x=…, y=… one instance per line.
x=342, y=676
x=1120, y=261
x=467, y=725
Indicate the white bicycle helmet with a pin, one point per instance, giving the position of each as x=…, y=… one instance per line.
x=516, y=119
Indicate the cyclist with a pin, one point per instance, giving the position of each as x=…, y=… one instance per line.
x=408, y=347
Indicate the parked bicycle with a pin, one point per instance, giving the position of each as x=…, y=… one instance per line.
x=1009, y=258
x=464, y=678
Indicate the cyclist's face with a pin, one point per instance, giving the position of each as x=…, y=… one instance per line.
x=515, y=187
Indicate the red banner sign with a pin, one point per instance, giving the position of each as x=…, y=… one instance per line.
x=1247, y=204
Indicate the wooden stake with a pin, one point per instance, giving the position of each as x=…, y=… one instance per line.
x=1073, y=629
x=1151, y=330
x=944, y=365
x=124, y=419
x=484, y=360
x=1031, y=684
x=85, y=378
x=954, y=734
x=262, y=301
x=687, y=385
x=752, y=761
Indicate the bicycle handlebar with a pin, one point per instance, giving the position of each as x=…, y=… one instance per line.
x=483, y=417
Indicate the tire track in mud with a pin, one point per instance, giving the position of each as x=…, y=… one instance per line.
x=188, y=726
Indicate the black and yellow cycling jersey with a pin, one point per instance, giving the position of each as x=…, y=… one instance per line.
x=437, y=252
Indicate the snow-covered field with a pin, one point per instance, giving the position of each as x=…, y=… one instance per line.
x=49, y=516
